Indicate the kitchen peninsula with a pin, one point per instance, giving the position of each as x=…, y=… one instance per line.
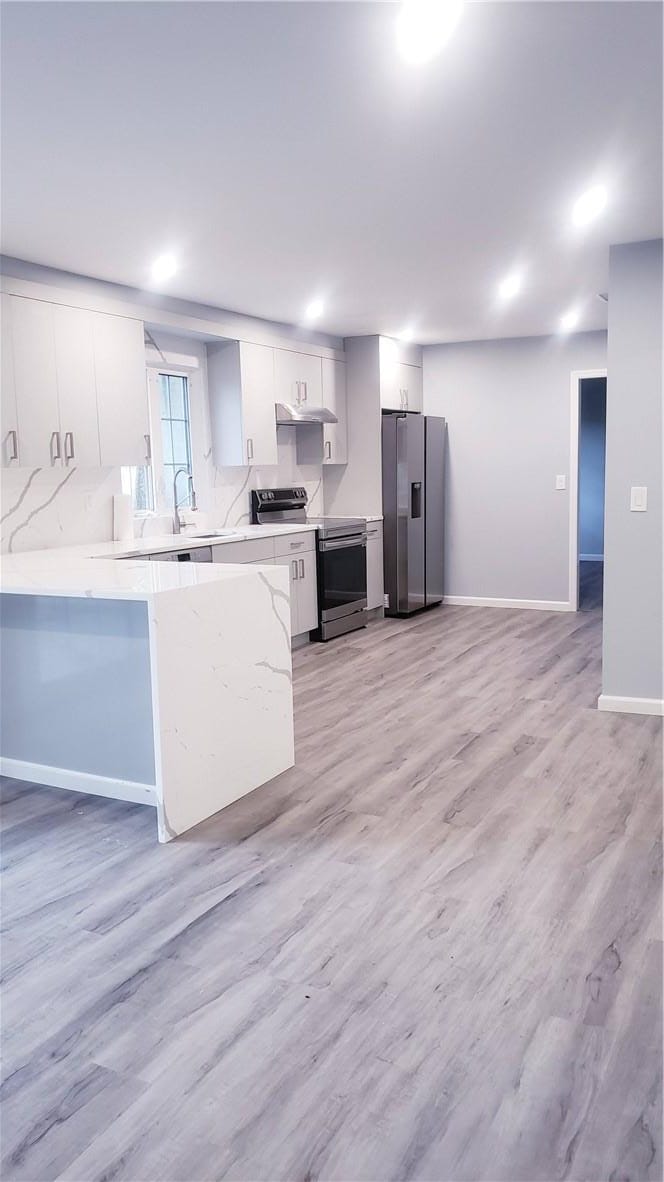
x=162, y=683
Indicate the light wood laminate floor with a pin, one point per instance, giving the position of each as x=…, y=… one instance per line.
x=431, y=951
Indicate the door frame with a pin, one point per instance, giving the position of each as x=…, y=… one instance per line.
x=577, y=376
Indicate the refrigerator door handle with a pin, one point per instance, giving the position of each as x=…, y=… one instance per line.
x=416, y=499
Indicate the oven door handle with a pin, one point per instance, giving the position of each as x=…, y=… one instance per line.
x=343, y=543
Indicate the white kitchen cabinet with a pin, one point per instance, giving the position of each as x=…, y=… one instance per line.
x=79, y=386
x=255, y=550
x=298, y=378
x=35, y=382
x=291, y=563
x=335, y=435
x=400, y=383
x=410, y=386
x=9, y=452
x=374, y=565
x=299, y=553
x=242, y=400
x=307, y=592
x=122, y=395
x=77, y=390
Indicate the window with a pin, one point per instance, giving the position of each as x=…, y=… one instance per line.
x=151, y=487
x=175, y=430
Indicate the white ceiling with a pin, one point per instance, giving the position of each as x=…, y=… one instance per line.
x=284, y=151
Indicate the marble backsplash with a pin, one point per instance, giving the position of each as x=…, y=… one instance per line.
x=46, y=507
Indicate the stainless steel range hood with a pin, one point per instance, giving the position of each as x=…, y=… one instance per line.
x=290, y=415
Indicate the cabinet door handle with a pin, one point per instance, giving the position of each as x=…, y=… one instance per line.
x=250, y=449
x=69, y=445
x=405, y=400
x=148, y=447
x=305, y=391
x=298, y=394
x=301, y=565
x=55, y=452
x=294, y=566
x=328, y=450
x=12, y=438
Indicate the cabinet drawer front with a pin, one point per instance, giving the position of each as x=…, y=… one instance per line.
x=374, y=531
x=285, y=544
x=260, y=550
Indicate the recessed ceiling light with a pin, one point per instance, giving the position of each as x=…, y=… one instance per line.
x=164, y=268
x=570, y=320
x=589, y=205
x=406, y=334
x=314, y=310
x=510, y=286
x=425, y=26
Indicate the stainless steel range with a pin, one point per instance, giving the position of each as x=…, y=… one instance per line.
x=341, y=557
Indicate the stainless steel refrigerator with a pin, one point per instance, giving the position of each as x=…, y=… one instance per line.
x=413, y=511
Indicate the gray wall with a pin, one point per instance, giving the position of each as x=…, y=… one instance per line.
x=592, y=448
x=632, y=658
x=507, y=404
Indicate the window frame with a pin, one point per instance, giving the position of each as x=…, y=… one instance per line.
x=161, y=486
x=161, y=501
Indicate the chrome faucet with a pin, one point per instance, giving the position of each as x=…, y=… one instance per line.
x=177, y=524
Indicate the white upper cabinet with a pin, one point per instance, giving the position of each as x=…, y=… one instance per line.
x=242, y=400
x=9, y=451
x=297, y=378
x=122, y=395
x=335, y=435
x=410, y=386
x=36, y=383
x=400, y=384
x=77, y=391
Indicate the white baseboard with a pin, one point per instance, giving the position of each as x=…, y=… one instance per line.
x=631, y=705
x=58, y=777
x=542, y=605
x=591, y=558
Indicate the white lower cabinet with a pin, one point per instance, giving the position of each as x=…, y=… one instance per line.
x=307, y=592
x=374, y=565
x=298, y=550
x=298, y=553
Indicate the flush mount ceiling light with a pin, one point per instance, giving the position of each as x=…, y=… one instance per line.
x=425, y=26
x=314, y=310
x=164, y=268
x=510, y=286
x=569, y=321
x=589, y=205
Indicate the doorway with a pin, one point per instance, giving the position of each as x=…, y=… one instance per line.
x=587, y=487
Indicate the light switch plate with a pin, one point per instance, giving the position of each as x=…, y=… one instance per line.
x=638, y=498
x=561, y=482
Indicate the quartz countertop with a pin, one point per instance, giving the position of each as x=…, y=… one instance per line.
x=93, y=570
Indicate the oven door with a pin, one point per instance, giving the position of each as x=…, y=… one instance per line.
x=342, y=576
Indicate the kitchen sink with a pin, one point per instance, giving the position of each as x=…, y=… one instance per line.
x=213, y=533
